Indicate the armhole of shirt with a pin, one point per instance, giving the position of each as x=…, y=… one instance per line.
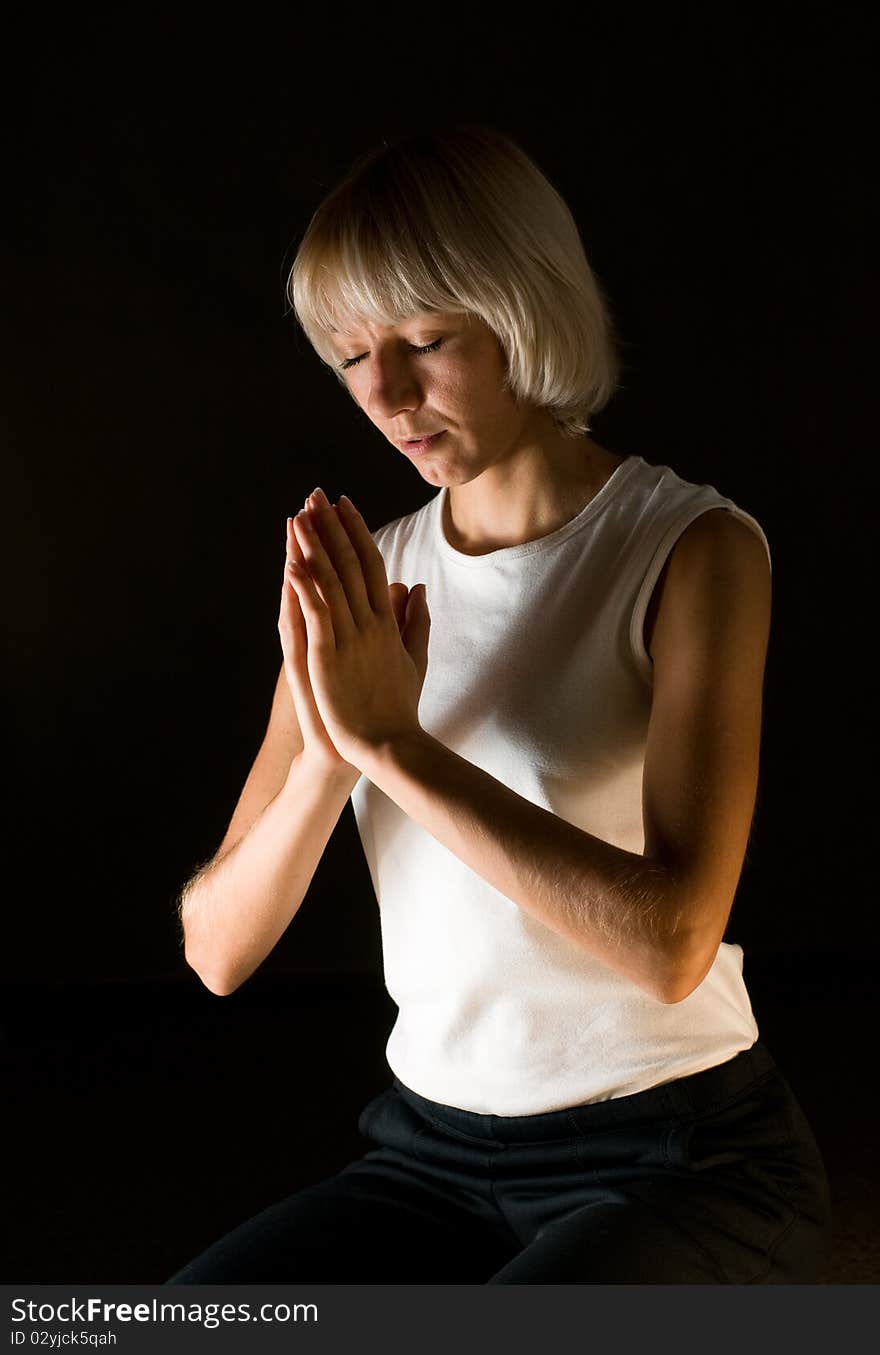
x=643, y=660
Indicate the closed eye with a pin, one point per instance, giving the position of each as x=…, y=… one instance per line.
x=428, y=348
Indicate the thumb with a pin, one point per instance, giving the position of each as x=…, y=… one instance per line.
x=417, y=628
x=397, y=596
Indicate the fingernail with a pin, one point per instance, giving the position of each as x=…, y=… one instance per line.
x=320, y=496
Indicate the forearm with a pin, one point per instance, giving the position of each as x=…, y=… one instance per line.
x=615, y=904
x=235, y=909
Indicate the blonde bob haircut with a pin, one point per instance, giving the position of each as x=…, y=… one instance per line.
x=462, y=220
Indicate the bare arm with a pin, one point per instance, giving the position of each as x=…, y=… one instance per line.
x=235, y=910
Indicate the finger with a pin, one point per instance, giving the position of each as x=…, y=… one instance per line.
x=294, y=641
x=417, y=629
x=290, y=539
x=291, y=547
x=292, y=629
x=294, y=622
x=289, y=544
x=342, y=554
x=291, y=622
x=322, y=576
x=296, y=666
x=316, y=614
x=398, y=593
x=372, y=564
x=293, y=553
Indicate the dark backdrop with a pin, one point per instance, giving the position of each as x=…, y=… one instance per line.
x=164, y=415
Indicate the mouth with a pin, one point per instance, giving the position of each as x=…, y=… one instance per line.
x=415, y=446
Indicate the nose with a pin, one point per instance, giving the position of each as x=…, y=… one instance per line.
x=394, y=387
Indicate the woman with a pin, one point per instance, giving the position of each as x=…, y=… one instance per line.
x=549, y=725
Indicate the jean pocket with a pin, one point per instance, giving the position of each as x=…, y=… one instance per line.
x=752, y=1128
x=371, y=1112
x=389, y=1122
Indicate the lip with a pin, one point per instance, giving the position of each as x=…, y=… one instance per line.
x=415, y=448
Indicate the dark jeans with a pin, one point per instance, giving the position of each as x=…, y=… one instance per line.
x=711, y=1179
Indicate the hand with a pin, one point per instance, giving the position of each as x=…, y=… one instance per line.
x=317, y=743
x=366, y=669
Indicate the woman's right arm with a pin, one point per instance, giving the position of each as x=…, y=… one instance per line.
x=235, y=909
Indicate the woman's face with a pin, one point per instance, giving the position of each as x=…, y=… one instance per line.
x=453, y=387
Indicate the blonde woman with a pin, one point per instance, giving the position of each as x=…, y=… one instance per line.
x=542, y=691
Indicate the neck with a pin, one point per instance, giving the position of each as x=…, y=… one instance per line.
x=530, y=494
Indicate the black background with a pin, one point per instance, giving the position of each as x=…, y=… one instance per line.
x=164, y=415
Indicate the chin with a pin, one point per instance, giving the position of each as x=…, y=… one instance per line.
x=441, y=474
x=448, y=469
x=435, y=475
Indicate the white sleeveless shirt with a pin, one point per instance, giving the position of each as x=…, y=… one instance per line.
x=538, y=673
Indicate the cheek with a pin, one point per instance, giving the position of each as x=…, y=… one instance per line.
x=359, y=391
x=490, y=405
x=475, y=390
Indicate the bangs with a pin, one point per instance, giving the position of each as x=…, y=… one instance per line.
x=370, y=257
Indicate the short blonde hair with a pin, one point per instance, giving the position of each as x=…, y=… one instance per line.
x=463, y=220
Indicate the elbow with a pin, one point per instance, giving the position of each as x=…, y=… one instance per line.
x=220, y=987
x=218, y=983
x=685, y=970
x=677, y=984
x=676, y=990
x=690, y=946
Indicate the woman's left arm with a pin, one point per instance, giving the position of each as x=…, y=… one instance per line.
x=656, y=918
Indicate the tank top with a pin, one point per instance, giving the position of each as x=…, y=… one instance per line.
x=537, y=673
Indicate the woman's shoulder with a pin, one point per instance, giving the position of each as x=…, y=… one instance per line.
x=717, y=542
